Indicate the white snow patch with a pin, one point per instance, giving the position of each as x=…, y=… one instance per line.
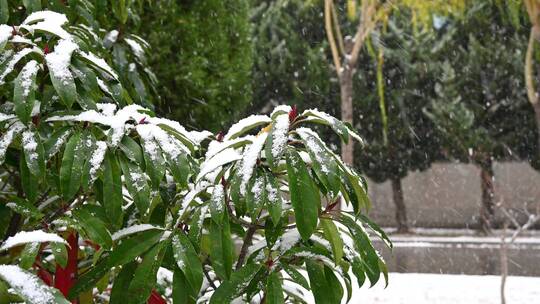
x=245, y=124
x=224, y=157
x=132, y=230
x=30, y=145
x=27, y=284
x=59, y=60
x=27, y=73
x=97, y=159
x=405, y=288
x=36, y=236
x=5, y=33
x=7, y=138
x=280, y=134
x=249, y=160
x=47, y=21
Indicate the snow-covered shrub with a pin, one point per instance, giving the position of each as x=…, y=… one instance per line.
x=102, y=200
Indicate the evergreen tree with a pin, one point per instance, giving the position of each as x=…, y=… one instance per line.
x=202, y=57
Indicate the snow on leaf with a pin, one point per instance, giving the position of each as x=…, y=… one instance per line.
x=216, y=147
x=107, y=109
x=287, y=241
x=280, y=134
x=36, y=236
x=249, y=160
x=246, y=124
x=97, y=159
x=110, y=38
x=170, y=145
x=313, y=143
x=47, y=21
x=13, y=61
x=220, y=159
x=218, y=198
x=58, y=61
x=132, y=230
x=5, y=34
x=27, y=74
x=99, y=63
x=30, y=145
x=4, y=117
x=281, y=109
x=29, y=286
x=8, y=137
x=136, y=48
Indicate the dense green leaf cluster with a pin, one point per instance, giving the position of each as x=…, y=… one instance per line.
x=202, y=54
x=147, y=209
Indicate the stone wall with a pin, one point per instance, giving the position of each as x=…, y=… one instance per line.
x=448, y=194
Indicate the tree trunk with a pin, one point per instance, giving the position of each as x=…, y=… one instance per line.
x=401, y=211
x=488, y=193
x=346, y=90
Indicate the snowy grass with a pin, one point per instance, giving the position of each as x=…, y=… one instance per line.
x=406, y=288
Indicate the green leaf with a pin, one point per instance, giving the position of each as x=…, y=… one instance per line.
x=32, y=5
x=274, y=291
x=304, y=195
x=217, y=204
x=128, y=249
x=20, y=279
x=34, y=153
x=331, y=233
x=188, y=261
x=180, y=169
x=62, y=81
x=28, y=255
x=144, y=277
x=337, y=125
x=182, y=293
x=273, y=198
x=322, y=160
x=24, y=208
x=112, y=188
x=29, y=181
x=362, y=243
x=230, y=289
x=60, y=254
x=119, y=292
x=72, y=164
x=132, y=150
x=90, y=278
x=296, y=276
x=376, y=228
x=24, y=91
x=155, y=163
x=221, y=248
x=136, y=184
x=95, y=228
x=4, y=15
x=55, y=141
x=320, y=283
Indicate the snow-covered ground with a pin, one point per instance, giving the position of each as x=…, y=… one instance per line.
x=413, y=288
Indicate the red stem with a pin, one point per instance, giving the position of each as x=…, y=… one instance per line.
x=65, y=277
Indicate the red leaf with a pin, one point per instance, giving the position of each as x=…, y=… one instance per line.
x=155, y=298
x=65, y=277
x=293, y=113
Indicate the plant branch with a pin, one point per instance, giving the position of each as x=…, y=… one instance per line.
x=330, y=35
x=245, y=245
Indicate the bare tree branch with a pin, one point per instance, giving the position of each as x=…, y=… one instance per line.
x=330, y=35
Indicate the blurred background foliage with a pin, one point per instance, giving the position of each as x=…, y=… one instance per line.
x=453, y=79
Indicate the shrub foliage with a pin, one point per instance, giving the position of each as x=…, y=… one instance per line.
x=106, y=201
